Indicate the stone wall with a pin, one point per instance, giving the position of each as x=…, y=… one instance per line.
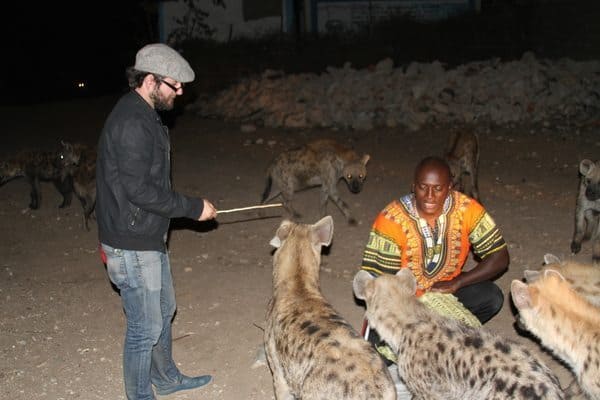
x=527, y=90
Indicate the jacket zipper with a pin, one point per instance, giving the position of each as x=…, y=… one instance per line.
x=135, y=215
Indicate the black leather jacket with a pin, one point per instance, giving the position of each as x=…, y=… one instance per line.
x=134, y=201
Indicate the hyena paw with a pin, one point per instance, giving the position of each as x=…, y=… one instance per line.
x=575, y=247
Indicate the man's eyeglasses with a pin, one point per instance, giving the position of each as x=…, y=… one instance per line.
x=173, y=87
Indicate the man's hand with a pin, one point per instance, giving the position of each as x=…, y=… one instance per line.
x=446, y=286
x=489, y=268
x=208, y=212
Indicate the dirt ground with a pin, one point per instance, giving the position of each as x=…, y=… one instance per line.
x=61, y=322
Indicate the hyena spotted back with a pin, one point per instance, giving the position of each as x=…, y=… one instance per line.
x=462, y=155
x=312, y=351
x=565, y=322
x=441, y=358
x=583, y=278
x=37, y=166
x=322, y=162
x=587, y=209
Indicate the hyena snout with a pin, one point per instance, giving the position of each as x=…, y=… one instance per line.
x=592, y=191
x=355, y=183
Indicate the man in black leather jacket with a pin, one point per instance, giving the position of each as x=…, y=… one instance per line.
x=135, y=203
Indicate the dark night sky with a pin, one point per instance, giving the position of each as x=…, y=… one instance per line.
x=50, y=45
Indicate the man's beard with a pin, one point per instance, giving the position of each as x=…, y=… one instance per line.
x=160, y=103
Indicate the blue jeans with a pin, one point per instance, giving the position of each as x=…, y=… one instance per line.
x=146, y=285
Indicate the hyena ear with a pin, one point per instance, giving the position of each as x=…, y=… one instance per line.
x=553, y=273
x=360, y=285
x=586, y=166
x=408, y=279
x=520, y=295
x=323, y=230
x=531, y=276
x=365, y=159
x=282, y=233
x=551, y=259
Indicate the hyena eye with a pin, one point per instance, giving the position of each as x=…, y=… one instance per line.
x=361, y=176
x=349, y=176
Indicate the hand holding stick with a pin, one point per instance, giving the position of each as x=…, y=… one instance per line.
x=249, y=208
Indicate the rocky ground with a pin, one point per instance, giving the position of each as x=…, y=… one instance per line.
x=61, y=322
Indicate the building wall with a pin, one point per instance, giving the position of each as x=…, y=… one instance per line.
x=240, y=18
x=251, y=18
x=336, y=15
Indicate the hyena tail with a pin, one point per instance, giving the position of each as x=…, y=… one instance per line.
x=267, y=190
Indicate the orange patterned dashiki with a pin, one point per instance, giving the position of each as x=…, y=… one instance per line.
x=399, y=238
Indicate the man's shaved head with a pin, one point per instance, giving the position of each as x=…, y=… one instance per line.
x=433, y=162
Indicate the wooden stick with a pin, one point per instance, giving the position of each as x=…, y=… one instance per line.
x=249, y=208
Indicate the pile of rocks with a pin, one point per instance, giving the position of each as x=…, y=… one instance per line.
x=527, y=90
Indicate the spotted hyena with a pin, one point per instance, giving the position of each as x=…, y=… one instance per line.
x=583, y=278
x=565, y=322
x=312, y=351
x=322, y=162
x=462, y=155
x=84, y=180
x=587, y=210
x=441, y=358
x=39, y=166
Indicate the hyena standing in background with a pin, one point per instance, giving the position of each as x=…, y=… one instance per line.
x=441, y=358
x=312, y=351
x=39, y=166
x=565, y=322
x=462, y=155
x=587, y=210
x=583, y=278
x=322, y=162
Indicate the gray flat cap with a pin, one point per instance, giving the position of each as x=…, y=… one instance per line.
x=163, y=60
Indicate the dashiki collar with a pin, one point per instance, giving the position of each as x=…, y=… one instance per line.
x=433, y=246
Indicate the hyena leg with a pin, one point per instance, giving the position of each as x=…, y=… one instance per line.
x=65, y=187
x=466, y=186
x=83, y=202
x=282, y=390
x=474, y=174
x=470, y=186
x=596, y=242
x=287, y=203
x=459, y=183
x=332, y=193
x=280, y=385
x=88, y=210
x=596, y=251
x=87, y=205
x=35, y=193
x=475, y=187
x=580, y=227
